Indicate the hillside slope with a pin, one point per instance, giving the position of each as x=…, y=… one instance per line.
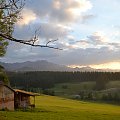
x=55, y=108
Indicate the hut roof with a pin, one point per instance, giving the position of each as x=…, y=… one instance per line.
x=19, y=91
x=25, y=92
x=2, y=84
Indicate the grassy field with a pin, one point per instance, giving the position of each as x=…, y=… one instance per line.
x=55, y=108
x=113, y=84
x=67, y=89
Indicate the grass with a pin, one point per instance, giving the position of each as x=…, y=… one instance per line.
x=68, y=89
x=55, y=108
x=113, y=84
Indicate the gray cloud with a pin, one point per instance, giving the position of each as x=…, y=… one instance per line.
x=19, y=53
x=46, y=31
x=88, y=56
x=61, y=11
x=79, y=56
x=97, y=39
x=87, y=17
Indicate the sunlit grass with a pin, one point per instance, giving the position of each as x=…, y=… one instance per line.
x=55, y=108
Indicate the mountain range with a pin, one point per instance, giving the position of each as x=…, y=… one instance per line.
x=43, y=65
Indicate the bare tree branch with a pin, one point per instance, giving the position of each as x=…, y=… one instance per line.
x=27, y=42
x=51, y=41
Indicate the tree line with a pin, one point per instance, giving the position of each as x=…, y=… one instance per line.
x=47, y=79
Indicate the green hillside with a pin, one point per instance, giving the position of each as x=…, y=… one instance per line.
x=69, y=89
x=55, y=108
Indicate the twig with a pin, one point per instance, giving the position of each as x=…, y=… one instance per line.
x=27, y=42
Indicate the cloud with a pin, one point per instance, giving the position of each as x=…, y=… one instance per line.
x=45, y=31
x=80, y=56
x=78, y=44
x=62, y=11
x=97, y=38
x=88, y=56
x=27, y=16
x=115, y=46
x=85, y=18
x=20, y=53
x=50, y=16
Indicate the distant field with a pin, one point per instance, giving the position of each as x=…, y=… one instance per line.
x=68, y=89
x=55, y=108
x=113, y=84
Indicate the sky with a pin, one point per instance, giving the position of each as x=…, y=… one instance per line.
x=88, y=31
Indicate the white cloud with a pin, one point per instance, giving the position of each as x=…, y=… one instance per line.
x=61, y=11
x=97, y=38
x=77, y=6
x=27, y=16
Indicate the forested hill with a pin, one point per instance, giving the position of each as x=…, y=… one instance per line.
x=46, y=79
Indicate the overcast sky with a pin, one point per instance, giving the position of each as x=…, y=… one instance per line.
x=88, y=32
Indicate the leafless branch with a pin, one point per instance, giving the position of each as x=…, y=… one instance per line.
x=27, y=42
x=51, y=41
x=12, y=4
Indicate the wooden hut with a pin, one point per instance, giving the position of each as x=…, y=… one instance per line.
x=6, y=97
x=11, y=99
x=22, y=99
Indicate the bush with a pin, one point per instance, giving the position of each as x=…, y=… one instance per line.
x=48, y=92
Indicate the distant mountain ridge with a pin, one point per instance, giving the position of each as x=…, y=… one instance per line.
x=44, y=65
x=41, y=65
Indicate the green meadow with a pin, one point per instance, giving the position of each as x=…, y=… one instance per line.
x=68, y=89
x=56, y=108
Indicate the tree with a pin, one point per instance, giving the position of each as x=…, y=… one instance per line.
x=3, y=76
x=9, y=12
x=9, y=15
x=101, y=81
